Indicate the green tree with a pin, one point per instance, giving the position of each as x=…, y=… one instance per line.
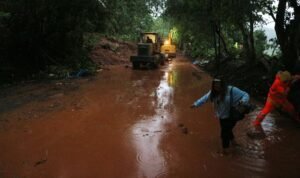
x=215, y=20
x=260, y=42
x=47, y=32
x=127, y=18
x=286, y=14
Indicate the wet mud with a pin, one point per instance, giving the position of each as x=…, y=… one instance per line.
x=137, y=123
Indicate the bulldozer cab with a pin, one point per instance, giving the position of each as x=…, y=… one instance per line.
x=146, y=38
x=149, y=37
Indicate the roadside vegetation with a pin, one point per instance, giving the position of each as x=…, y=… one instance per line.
x=49, y=37
x=226, y=37
x=218, y=29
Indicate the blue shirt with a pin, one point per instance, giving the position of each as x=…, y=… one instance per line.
x=222, y=108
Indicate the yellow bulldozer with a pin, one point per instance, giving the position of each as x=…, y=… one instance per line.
x=168, y=48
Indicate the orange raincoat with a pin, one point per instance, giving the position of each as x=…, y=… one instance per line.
x=277, y=97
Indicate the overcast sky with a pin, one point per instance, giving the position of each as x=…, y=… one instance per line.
x=269, y=27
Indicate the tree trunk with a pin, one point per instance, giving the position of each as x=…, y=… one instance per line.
x=214, y=29
x=252, y=57
x=221, y=37
x=280, y=24
x=295, y=29
x=286, y=34
x=245, y=40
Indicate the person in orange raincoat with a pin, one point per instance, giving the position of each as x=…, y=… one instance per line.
x=277, y=97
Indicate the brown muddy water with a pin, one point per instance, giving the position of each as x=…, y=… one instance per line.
x=127, y=123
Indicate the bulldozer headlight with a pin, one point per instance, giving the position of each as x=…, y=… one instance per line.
x=167, y=42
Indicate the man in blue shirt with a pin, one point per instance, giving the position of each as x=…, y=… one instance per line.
x=220, y=95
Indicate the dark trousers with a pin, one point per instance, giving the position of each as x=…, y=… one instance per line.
x=227, y=126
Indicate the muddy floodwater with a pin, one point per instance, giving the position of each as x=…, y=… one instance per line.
x=126, y=123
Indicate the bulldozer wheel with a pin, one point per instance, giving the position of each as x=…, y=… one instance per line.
x=135, y=65
x=154, y=66
x=162, y=59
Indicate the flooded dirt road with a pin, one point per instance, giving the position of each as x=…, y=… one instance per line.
x=135, y=124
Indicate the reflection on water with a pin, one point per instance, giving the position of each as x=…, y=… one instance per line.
x=148, y=133
x=171, y=77
x=251, y=153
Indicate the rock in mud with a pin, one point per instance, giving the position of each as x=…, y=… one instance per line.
x=256, y=134
x=184, y=130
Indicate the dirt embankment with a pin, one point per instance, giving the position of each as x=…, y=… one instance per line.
x=254, y=79
x=111, y=52
x=107, y=52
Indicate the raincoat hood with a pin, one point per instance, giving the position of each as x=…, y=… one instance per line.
x=284, y=76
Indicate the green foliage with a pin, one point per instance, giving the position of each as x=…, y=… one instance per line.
x=47, y=32
x=214, y=22
x=126, y=19
x=175, y=35
x=55, y=36
x=162, y=26
x=36, y=34
x=260, y=42
x=273, y=48
x=4, y=14
x=90, y=40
